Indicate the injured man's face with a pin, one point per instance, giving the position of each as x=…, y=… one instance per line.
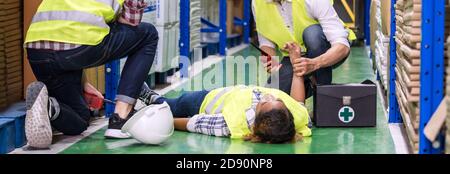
x=274, y=123
x=269, y=102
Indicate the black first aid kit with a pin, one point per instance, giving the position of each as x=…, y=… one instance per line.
x=346, y=105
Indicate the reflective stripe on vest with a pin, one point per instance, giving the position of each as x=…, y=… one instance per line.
x=83, y=22
x=77, y=16
x=216, y=98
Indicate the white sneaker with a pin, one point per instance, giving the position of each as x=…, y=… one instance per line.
x=38, y=130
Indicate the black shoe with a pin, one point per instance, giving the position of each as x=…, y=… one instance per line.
x=148, y=96
x=115, y=126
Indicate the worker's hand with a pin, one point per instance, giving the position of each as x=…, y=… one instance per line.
x=305, y=66
x=88, y=88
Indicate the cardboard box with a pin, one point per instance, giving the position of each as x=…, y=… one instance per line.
x=351, y=105
x=386, y=16
x=230, y=16
x=238, y=11
x=373, y=25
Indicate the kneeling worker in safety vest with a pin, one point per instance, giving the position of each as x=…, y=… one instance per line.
x=67, y=36
x=256, y=114
x=315, y=26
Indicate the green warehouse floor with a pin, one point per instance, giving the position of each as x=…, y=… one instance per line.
x=356, y=69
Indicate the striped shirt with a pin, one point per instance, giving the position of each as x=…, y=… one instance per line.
x=132, y=12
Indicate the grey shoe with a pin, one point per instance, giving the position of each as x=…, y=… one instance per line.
x=147, y=95
x=38, y=130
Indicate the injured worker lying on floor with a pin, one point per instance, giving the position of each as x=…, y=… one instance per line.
x=256, y=114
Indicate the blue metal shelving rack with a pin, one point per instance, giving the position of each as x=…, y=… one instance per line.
x=112, y=75
x=367, y=21
x=394, y=112
x=431, y=72
x=212, y=28
x=432, y=68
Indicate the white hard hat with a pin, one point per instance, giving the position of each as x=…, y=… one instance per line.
x=151, y=125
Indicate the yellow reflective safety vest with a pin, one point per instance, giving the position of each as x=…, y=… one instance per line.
x=83, y=22
x=271, y=25
x=233, y=102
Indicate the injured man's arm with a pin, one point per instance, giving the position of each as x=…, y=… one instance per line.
x=181, y=124
x=298, y=85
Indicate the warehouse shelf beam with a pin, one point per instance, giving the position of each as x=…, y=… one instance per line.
x=432, y=69
x=212, y=28
x=367, y=21
x=394, y=112
x=221, y=28
x=185, y=33
x=112, y=75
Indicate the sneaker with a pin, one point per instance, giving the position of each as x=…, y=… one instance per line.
x=38, y=130
x=115, y=125
x=148, y=96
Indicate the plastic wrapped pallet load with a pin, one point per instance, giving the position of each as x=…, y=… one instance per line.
x=164, y=15
x=381, y=43
x=195, y=24
x=408, y=39
x=381, y=55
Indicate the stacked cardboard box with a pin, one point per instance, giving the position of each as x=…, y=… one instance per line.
x=408, y=38
x=381, y=46
x=11, y=51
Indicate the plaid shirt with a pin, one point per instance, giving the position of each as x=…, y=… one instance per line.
x=132, y=12
x=215, y=124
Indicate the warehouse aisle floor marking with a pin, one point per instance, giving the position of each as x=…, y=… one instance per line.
x=324, y=140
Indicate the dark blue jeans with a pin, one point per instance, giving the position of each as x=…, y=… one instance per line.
x=317, y=44
x=61, y=71
x=187, y=105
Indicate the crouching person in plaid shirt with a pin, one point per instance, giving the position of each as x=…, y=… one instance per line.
x=68, y=36
x=256, y=114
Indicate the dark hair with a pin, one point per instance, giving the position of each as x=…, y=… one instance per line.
x=275, y=126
